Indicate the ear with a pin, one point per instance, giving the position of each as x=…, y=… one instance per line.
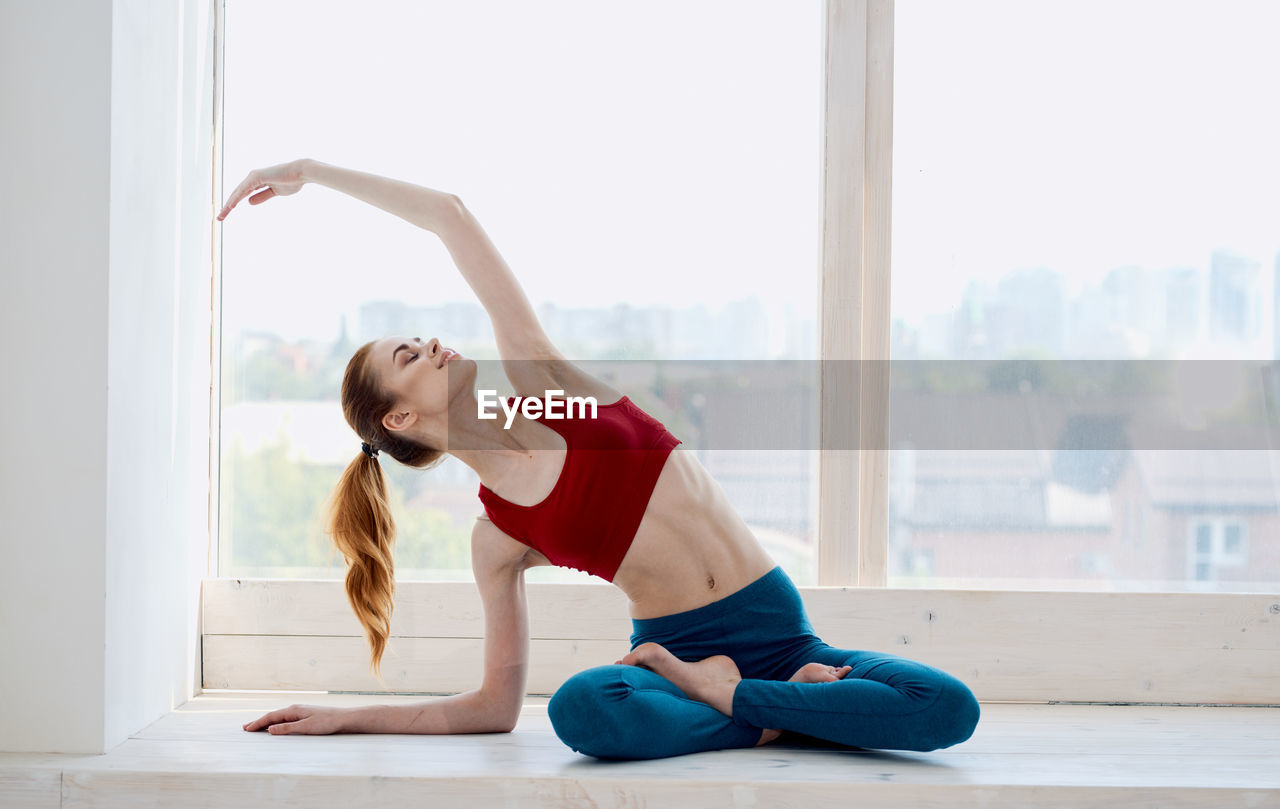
x=399, y=419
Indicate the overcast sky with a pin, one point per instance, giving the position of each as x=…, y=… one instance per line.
x=668, y=152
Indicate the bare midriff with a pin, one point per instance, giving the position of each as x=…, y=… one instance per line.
x=691, y=547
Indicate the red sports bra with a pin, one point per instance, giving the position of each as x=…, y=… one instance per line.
x=610, y=467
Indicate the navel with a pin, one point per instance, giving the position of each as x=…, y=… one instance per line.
x=711, y=582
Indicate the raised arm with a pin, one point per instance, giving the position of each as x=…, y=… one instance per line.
x=519, y=335
x=425, y=207
x=529, y=360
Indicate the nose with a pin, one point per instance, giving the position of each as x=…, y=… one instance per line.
x=433, y=347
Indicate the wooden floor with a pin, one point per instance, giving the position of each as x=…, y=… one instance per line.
x=1020, y=755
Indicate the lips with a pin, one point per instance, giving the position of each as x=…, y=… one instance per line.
x=449, y=354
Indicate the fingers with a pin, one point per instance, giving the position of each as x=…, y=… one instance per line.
x=270, y=719
x=257, y=723
x=247, y=186
x=236, y=196
x=258, y=199
x=263, y=721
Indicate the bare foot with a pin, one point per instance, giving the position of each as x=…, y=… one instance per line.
x=819, y=673
x=711, y=680
x=768, y=736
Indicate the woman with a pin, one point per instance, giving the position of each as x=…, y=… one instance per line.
x=722, y=653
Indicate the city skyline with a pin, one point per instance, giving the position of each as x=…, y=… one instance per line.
x=1133, y=312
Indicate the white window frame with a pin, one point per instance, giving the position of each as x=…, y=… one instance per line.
x=1008, y=645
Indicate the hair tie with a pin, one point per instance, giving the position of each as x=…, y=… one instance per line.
x=368, y=450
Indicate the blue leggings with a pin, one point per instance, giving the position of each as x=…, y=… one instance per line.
x=889, y=702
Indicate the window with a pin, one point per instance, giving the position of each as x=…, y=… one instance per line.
x=863, y=531
x=1071, y=195
x=1215, y=548
x=651, y=175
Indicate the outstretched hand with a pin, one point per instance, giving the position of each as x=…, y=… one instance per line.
x=279, y=181
x=313, y=720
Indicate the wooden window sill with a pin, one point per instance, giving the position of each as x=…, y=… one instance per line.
x=1020, y=755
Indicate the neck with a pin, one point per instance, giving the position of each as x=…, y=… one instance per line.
x=487, y=445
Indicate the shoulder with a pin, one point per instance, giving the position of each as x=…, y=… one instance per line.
x=573, y=381
x=541, y=369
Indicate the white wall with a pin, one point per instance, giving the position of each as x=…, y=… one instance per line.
x=54, y=172
x=105, y=236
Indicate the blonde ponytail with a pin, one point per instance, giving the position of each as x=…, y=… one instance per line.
x=360, y=519
x=362, y=527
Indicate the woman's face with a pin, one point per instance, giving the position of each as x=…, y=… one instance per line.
x=424, y=377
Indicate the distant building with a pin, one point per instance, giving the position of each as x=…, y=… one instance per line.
x=452, y=323
x=1275, y=310
x=1184, y=300
x=737, y=330
x=1170, y=520
x=1235, y=297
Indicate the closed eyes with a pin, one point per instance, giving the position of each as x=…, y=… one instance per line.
x=412, y=356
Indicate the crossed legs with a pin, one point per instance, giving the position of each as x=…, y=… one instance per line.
x=651, y=704
x=714, y=680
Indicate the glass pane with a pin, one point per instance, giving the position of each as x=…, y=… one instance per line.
x=1204, y=539
x=1231, y=544
x=649, y=173
x=1056, y=218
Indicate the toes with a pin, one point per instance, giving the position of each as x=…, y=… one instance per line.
x=648, y=652
x=641, y=652
x=820, y=673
